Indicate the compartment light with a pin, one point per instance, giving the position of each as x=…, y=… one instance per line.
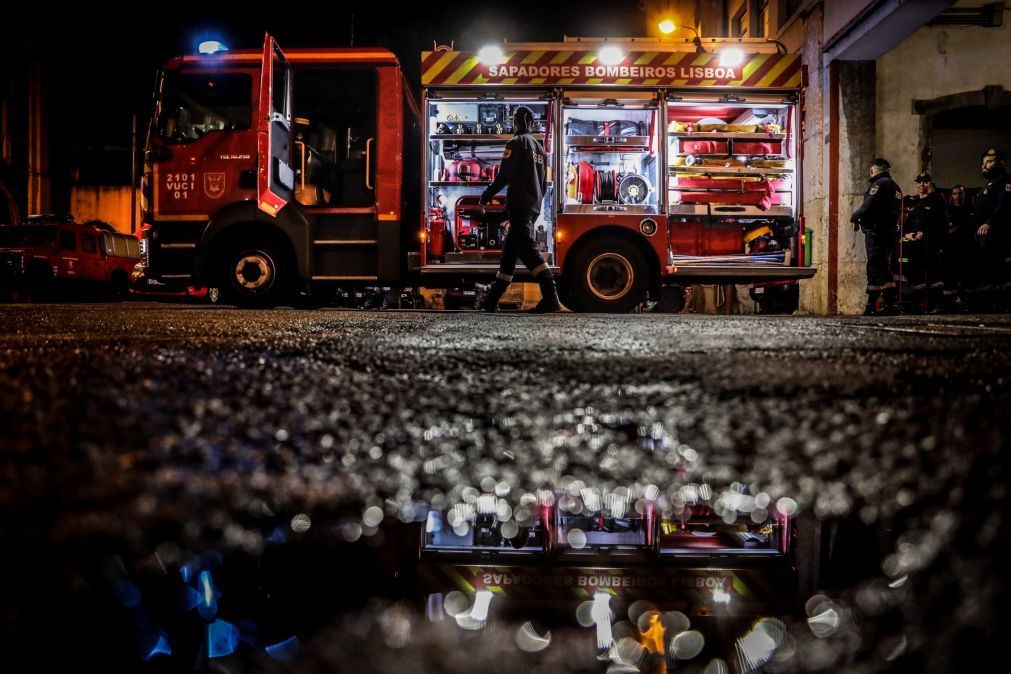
x=610, y=55
x=491, y=55
x=731, y=57
x=666, y=26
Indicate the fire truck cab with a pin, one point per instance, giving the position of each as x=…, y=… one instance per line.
x=270, y=173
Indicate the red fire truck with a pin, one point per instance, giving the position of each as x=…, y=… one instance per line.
x=270, y=173
x=51, y=253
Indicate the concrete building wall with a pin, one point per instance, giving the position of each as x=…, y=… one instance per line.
x=934, y=62
x=857, y=147
x=804, y=35
x=108, y=204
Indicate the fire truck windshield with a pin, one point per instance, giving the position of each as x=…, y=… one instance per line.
x=27, y=235
x=194, y=104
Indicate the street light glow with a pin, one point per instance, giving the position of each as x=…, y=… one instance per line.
x=610, y=55
x=491, y=55
x=666, y=26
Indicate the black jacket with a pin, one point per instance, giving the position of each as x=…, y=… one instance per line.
x=993, y=205
x=927, y=215
x=879, y=213
x=523, y=170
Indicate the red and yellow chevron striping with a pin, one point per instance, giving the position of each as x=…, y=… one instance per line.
x=637, y=69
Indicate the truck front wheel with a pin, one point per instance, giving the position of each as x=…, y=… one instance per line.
x=607, y=275
x=256, y=273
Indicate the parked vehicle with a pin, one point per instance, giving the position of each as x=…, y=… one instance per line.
x=50, y=254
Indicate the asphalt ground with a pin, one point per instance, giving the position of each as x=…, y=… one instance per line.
x=288, y=452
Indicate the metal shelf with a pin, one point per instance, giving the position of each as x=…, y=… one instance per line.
x=705, y=135
x=465, y=183
x=728, y=170
x=478, y=137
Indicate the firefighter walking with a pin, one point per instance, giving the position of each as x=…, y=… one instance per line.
x=878, y=218
x=523, y=170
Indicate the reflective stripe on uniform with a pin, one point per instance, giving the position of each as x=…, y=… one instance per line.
x=539, y=268
x=503, y=277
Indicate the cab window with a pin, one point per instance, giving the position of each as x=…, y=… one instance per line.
x=195, y=104
x=88, y=244
x=68, y=241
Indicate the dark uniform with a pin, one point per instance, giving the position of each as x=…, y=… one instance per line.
x=921, y=267
x=523, y=169
x=955, y=252
x=878, y=218
x=993, y=208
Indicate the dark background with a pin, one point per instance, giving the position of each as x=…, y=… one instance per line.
x=102, y=65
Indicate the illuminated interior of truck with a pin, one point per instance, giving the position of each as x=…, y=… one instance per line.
x=466, y=138
x=610, y=154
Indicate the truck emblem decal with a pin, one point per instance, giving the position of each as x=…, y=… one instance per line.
x=214, y=185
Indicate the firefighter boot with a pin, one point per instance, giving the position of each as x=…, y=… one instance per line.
x=549, y=294
x=889, y=307
x=872, y=302
x=494, y=294
x=935, y=301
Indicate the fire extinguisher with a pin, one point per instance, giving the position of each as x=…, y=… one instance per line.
x=436, y=232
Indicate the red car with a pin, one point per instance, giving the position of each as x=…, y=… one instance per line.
x=53, y=253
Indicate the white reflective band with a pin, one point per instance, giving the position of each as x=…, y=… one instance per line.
x=502, y=277
x=539, y=268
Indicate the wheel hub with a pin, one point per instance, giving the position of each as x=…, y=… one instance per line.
x=254, y=271
x=610, y=276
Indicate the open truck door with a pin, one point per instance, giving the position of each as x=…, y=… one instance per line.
x=275, y=176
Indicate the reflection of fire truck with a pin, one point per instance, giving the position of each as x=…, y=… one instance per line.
x=269, y=173
x=625, y=561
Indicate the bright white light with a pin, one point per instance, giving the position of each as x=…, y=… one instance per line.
x=732, y=57
x=667, y=27
x=610, y=55
x=601, y=613
x=211, y=47
x=482, y=600
x=491, y=56
x=721, y=596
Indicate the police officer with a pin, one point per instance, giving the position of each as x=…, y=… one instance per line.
x=922, y=235
x=523, y=170
x=956, y=248
x=878, y=218
x=992, y=217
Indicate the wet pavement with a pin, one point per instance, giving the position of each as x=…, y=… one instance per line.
x=207, y=489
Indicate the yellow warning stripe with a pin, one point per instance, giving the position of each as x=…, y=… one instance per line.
x=774, y=73
x=439, y=66
x=464, y=68
x=751, y=66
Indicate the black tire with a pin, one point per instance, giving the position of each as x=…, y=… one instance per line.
x=607, y=275
x=256, y=273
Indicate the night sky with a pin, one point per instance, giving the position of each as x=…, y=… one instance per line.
x=100, y=75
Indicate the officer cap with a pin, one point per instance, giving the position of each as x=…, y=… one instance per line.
x=883, y=163
x=995, y=153
x=924, y=178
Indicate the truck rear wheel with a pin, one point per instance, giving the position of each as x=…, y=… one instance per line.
x=256, y=273
x=608, y=275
